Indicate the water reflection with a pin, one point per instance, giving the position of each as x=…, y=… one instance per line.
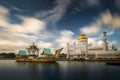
x=61, y=70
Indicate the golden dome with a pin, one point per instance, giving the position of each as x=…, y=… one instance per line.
x=82, y=36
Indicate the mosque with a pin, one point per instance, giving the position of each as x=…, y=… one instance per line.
x=81, y=49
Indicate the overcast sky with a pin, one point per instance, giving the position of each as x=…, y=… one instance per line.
x=53, y=23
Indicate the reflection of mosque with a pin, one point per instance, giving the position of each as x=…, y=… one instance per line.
x=83, y=50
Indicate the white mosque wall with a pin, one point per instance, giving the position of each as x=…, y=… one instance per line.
x=105, y=54
x=105, y=51
x=78, y=51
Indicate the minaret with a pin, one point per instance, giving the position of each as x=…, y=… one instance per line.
x=68, y=50
x=75, y=49
x=105, y=41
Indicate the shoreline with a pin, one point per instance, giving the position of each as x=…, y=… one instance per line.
x=83, y=60
x=7, y=59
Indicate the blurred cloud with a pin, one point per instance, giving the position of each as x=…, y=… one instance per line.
x=90, y=29
x=95, y=42
x=14, y=35
x=99, y=43
x=109, y=19
x=84, y=4
x=105, y=22
x=92, y=2
x=65, y=37
x=34, y=29
x=105, y=19
x=43, y=44
x=117, y=3
x=28, y=25
x=4, y=12
x=19, y=36
x=55, y=14
x=17, y=9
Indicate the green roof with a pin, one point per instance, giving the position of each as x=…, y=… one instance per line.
x=47, y=51
x=22, y=53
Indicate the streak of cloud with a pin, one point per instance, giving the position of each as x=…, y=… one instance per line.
x=55, y=14
x=83, y=5
x=105, y=19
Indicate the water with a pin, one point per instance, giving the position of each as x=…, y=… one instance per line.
x=61, y=70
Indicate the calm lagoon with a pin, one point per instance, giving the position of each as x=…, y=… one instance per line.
x=61, y=70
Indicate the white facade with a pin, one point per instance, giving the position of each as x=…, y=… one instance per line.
x=82, y=50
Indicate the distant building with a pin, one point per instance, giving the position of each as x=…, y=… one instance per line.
x=62, y=56
x=83, y=50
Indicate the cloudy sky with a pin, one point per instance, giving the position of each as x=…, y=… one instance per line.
x=53, y=23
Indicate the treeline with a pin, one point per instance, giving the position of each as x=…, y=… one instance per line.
x=7, y=55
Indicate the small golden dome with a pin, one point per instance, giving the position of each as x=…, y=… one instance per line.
x=82, y=36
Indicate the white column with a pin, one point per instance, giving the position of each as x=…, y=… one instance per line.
x=68, y=50
x=75, y=49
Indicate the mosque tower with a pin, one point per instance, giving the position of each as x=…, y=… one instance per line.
x=82, y=38
x=82, y=43
x=68, y=50
x=105, y=41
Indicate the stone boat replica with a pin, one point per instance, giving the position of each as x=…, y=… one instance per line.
x=34, y=54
